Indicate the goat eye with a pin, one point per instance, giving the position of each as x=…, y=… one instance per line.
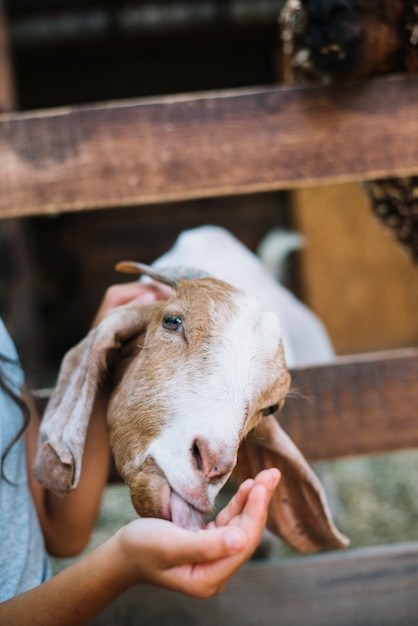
x=270, y=410
x=172, y=322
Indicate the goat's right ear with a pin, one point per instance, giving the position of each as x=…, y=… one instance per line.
x=64, y=425
x=298, y=510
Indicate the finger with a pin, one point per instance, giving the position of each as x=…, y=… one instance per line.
x=123, y=293
x=252, y=521
x=254, y=516
x=235, y=505
x=151, y=292
x=255, y=510
x=269, y=478
x=144, y=292
x=162, y=292
x=206, y=545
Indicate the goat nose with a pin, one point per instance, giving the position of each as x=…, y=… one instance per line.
x=325, y=10
x=210, y=463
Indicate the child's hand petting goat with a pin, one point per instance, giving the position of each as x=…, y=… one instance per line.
x=123, y=293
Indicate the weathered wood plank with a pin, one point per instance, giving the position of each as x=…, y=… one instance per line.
x=172, y=148
x=364, y=587
x=358, y=405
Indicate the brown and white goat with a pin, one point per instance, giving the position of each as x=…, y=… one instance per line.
x=196, y=383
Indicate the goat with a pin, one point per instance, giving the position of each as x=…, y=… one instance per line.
x=196, y=384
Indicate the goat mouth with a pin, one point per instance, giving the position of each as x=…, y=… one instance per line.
x=184, y=514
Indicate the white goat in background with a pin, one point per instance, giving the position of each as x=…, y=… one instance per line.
x=220, y=254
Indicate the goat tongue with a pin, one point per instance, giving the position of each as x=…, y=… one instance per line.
x=185, y=515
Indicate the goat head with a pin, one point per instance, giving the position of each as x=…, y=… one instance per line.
x=195, y=383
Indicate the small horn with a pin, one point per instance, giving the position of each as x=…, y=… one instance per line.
x=167, y=275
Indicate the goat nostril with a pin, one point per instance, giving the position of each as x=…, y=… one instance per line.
x=197, y=456
x=209, y=461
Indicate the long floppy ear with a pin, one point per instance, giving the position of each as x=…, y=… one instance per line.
x=64, y=425
x=298, y=512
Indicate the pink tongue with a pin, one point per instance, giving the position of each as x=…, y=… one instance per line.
x=185, y=515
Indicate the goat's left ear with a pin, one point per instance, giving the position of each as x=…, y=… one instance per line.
x=65, y=421
x=299, y=511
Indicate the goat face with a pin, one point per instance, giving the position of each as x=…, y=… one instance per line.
x=343, y=39
x=196, y=383
x=207, y=369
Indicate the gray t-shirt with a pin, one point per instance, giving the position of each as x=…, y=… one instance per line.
x=23, y=560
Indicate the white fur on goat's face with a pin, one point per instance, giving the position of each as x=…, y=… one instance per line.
x=191, y=394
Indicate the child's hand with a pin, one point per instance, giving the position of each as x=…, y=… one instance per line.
x=123, y=293
x=198, y=563
x=151, y=551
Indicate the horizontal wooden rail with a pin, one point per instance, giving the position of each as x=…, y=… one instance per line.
x=192, y=146
x=358, y=405
x=363, y=404
x=364, y=587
